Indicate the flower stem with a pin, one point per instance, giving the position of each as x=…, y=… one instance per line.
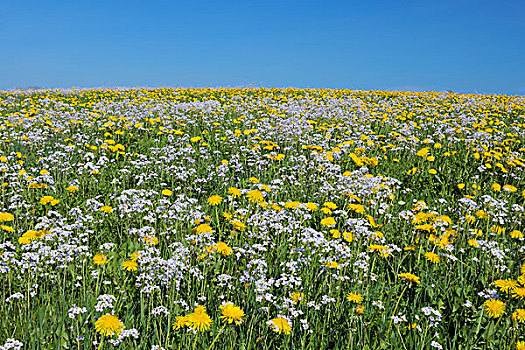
x=395, y=308
x=217, y=336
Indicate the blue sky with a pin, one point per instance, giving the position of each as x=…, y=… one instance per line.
x=462, y=45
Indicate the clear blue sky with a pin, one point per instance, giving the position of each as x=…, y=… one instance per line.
x=462, y=45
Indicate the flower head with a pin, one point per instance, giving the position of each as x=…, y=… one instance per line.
x=494, y=308
x=204, y=228
x=180, y=321
x=255, y=196
x=280, y=325
x=432, y=257
x=199, y=321
x=506, y=285
x=234, y=192
x=224, y=249
x=519, y=315
x=46, y=199
x=130, y=265
x=410, y=277
x=100, y=259
x=329, y=221
x=297, y=297
x=108, y=325
x=215, y=200
x=519, y=293
x=6, y=217
x=238, y=225
x=356, y=298
x=231, y=313
x=72, y=189
x=106, y=209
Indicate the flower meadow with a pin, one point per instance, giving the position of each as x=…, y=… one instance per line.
x=259, y=218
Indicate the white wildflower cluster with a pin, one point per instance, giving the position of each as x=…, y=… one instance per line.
x=104, y=302
x=12, y=344
x=434, y=316
x=74, y=311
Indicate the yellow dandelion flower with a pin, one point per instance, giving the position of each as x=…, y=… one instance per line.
x=276, y=208
x=72, y=189
x=329, y=221
x=520, y=345
x=506, y=285
x=234, y=192
x=6, y=217
x=108, y=325
x=100, y=259
x=330, y=205
x=280, y=325
x=412, y=171
x=473, y=243
x=332, y=265
x=358, y=208
x=200, y=321
x=130, y=265
x=521, y=279
x=292, y=205
x=46, y=199
x=224, y=249
x=519, y=315
x=106, y=209
x=518, y=293
x=7, y=228
x=231, y=313
x=150, y=240
x=381, y=249
x=348, y=236
x=353, y=297
x=200, y=309
x=335, y=233
x=423, y=152
x=167, y=192
x=238, y=225
x=410, y=277
x=432, y=257
x=297, y=297
x=204, y=228
x=255, y=196
x=425, y=227
x=311, y=206
x=494, y=308
x=180, y=321
x=481, y=214
x=215, y=200
x=326, y=211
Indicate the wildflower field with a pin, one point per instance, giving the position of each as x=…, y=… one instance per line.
x=261, y=219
